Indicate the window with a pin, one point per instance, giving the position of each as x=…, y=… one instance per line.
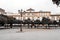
x=31, y=18
x=26, y=14
x=40, y=18
x=55, y=18
x=26, y=17
x=35, y=18
x=31, y=13
x=42, y=14
x=0, y=12
x=17, y=18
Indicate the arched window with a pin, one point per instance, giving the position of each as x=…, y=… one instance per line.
x=26, y=17
x=35, y=18
x=31, y=18
x=40, y=18
x=17, y=18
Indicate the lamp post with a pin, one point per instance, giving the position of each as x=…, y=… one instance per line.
x=20, y=12
x=21, y=20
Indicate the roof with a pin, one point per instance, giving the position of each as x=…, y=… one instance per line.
x=37, y=12
x=10, y=14
x=56, y=15
x=30, y=9
x=2, y=9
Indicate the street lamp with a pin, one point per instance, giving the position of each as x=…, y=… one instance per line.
x=20, y=12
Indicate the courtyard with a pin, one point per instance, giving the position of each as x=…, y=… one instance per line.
x=29, y=34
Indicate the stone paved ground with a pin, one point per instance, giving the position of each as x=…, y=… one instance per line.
x=30, y=34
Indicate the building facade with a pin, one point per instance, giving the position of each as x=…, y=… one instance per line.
x=35, y=15
x=30, y=13
x=2, y=11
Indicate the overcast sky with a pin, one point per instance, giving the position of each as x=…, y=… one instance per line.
x=15, y=5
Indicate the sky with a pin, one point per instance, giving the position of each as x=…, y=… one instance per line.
x=38, y=5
